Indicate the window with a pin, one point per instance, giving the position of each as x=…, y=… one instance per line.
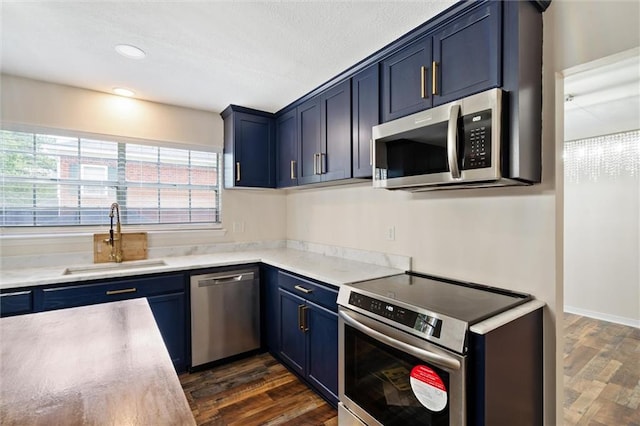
x=93, y=172
x=57, y=180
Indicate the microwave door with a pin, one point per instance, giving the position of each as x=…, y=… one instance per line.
x=412, y=157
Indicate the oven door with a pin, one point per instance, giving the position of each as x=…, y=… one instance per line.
x=388, y=377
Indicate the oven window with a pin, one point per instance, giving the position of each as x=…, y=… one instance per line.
x=378, y=379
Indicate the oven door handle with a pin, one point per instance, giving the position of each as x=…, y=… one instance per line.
x=439, y=360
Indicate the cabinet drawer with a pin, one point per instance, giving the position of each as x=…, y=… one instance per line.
x=19, y=302
x=317, y=293
x=88, y=294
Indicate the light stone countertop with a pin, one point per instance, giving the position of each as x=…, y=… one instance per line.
x=329, y=269
x=99, y=364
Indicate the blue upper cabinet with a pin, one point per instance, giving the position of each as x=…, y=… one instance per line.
x=470, y=47
x=466, y=55
x=335, y=158
x=365, y=112
x=287, y=149
x=324, y=136
x=309, y=141
x=458, y=59
x=406, y=86
x=249, y=148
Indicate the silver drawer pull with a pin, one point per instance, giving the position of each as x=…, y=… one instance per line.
x=302, y=289
x=124, y=290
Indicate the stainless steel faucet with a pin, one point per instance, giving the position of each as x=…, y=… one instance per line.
x=115, y=241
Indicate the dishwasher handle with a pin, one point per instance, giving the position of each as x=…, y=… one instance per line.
x=225, y=279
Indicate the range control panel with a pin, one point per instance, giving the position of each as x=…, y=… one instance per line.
x=425, y=324
x=477, y=140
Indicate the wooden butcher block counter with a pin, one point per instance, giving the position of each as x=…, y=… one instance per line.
x=101, y=365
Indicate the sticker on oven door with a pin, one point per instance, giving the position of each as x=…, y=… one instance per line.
x=428, y=388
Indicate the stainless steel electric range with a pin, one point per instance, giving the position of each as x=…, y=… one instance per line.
x=413, y=349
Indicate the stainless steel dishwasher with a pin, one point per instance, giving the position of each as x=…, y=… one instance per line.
x=225, y=314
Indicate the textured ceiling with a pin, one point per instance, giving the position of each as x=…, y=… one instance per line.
x=205, y=54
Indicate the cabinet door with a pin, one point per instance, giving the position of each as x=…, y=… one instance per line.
x=309, y=137
x=169, y=312
x=287, y=152
x=292, y=337
x=335, y=155
x=467, y=54
x=254, y=151
x=406, y=86
x=365, y=111
x=322, y=350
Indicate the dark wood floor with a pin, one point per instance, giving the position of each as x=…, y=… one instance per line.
x=601, y=373
x=254, y=391
x=601, y=384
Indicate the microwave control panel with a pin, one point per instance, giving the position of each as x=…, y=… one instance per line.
x=420, y=322
x=477, y=140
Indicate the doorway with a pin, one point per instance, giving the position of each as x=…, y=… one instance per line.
x=602, y=241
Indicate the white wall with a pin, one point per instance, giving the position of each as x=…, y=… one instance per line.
x=602, y=234
x=55, y=106
x=509, y=237
x=26, y=102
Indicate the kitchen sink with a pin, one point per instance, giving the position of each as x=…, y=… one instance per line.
x=104, y=267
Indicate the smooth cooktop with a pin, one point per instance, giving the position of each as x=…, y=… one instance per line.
x=467, y=302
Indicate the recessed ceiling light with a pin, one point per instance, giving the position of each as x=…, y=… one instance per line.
x=130, y=51
x=123, y=92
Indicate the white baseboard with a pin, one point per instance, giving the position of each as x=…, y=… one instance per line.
x=632, y=322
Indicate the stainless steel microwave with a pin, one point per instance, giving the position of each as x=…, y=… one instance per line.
x=456, y=145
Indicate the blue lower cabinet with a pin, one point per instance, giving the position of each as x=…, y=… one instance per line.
x=169, y=312
x=69, y=296
x=16, y=303
x=165, y=294
x=292, y=336
x=308, y=340
x=322, y=350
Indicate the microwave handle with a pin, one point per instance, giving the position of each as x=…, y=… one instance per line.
x=452, y=141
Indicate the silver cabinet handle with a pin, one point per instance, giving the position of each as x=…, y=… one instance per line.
x=302, y=289
x=323, y=163
x=452, y=141
x=434, y=74
x=293, y=169
x=423, y=82
x=315, y=164
x=238, y=171
x=123, y=291
x=305, y=325
x=300, y=315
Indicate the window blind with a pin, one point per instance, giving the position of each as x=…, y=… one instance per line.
x=52, y=180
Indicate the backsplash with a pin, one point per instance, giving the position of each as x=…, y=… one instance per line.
x=376, y=258
x=84, y=258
